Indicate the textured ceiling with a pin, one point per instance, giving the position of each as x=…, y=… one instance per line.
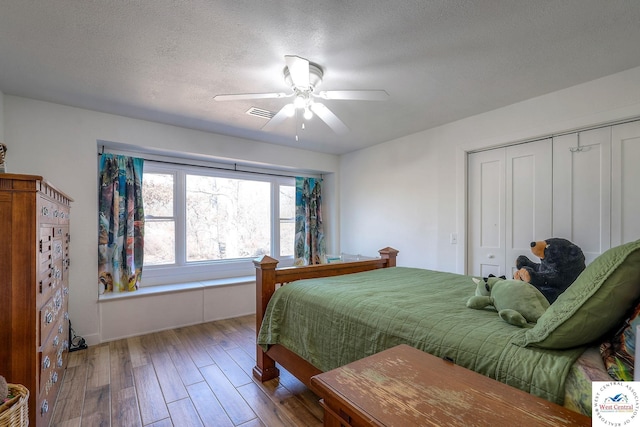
x=439, y=60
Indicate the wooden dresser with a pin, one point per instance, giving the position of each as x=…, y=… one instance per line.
x=34, y=289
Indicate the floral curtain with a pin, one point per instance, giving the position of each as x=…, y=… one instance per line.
x=309, y=244
x=121, y=224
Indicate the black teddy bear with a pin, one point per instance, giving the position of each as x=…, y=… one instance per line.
x=561, y=262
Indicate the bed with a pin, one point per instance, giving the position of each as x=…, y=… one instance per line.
x=325, y=316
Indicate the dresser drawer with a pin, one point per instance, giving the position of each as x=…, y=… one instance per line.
x=66, y=262
x=50, y=314
x=51, y=379
x=44, y=287
x=47, y=210
x=53, y=356
x=57, y=248
x=52, y=269
x=59, y=231
x=45, y=242
x=63, y=215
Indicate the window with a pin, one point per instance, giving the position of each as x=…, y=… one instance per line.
x=204, y=223
x=160, y=223
x=287, y=219
x=227, y=218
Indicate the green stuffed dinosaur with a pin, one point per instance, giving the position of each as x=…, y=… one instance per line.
x=517, y=302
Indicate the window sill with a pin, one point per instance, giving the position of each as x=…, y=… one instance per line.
x=177, y=287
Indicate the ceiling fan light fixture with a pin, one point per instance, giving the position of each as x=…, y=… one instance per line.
x=289, y=110
x=308, y=115
x=300, y=101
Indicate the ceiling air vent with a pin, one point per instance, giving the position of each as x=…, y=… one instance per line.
x=259, y=112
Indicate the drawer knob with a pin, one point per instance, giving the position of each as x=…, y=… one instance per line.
x=46, y=362
x=48, y=318
x=44, y=408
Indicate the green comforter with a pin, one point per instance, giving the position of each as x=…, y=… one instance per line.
x=333, y=321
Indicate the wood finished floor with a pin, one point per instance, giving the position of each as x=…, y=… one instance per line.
x=192, y=376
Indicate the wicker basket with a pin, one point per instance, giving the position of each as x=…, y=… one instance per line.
x=15, y=412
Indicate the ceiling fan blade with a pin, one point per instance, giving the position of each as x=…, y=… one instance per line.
x=284, y=113
x=298, y=70
x=241, y=96
x=359, y=95
x=329, y=118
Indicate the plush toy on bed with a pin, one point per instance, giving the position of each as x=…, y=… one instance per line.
x=561, y=262
x=517, y=302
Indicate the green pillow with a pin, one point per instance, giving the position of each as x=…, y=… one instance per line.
x=597, y=301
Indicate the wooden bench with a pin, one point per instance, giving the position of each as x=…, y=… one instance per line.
x=404, y=386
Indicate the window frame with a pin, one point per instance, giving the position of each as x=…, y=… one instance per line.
x=186, y=272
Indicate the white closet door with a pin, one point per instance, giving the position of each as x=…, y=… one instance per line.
x=581, y=190
x=509, y=205
x=529, y=198
x=486, y=174
x=625, y=175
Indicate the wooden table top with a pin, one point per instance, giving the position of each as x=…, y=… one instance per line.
x=404, y=386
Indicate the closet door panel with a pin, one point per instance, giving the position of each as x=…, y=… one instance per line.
x=625, y=176
x=581, y=190
x=486, y=213
x=528, y=198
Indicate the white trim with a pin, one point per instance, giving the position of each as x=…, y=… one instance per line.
x=462, y=191
x=176, y=287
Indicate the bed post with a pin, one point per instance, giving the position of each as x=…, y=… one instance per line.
x=389, y=254
x=265, y=368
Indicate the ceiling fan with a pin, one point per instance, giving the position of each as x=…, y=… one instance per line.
x=304, y=77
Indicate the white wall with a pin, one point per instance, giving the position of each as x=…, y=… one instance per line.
x=416, y=186
x=1, y=117
x=60, y=143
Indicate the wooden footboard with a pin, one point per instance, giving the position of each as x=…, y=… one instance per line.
x=268, y=276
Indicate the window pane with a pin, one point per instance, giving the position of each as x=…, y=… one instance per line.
x=159, y=234
x=287, y=219
x=287, y=238
x=159, y=242
x=157, y=193
x=287, y=201
x=227, y=218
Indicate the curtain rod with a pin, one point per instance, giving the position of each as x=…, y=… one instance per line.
x=235, y=167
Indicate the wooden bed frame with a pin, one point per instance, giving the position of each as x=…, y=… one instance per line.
x=268, y=276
